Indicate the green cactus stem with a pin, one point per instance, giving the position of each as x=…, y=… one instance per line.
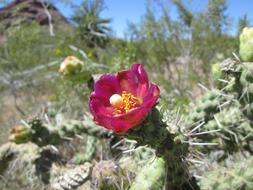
x=169, y=143
x=45, y=134
x=206, y=107
x=232, y=131
x=246, y=44
x=89, y=153
x=151, y=176
x=237, y=177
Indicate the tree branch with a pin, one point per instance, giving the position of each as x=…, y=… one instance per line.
x=49, y=16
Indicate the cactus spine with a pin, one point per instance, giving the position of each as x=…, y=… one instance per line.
x=238, y=176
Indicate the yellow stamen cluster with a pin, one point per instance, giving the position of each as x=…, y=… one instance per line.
x=129, y=100
x=124, y=103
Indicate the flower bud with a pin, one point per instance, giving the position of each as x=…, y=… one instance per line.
x=71, y=65
x=246, y=44
x=20, y=134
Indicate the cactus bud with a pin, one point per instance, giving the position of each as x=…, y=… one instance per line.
x=20, y=134
x=71, y=65
x=246, y=44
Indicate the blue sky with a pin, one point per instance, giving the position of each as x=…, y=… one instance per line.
x=123, y=11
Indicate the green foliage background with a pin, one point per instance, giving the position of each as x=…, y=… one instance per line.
x=177, y=53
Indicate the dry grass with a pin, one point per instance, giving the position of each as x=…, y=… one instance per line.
x=28, y=103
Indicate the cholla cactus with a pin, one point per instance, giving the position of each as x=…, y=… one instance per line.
x=246, y=44
x=231, y=130
x=71, y=178
x=238, y=176
x=45, y=133
x=107, y=175
x=26, y=165
x=151, y=176
x=42, y=135
x=20, y=134
x=223, y=116
x=89, y=153
x=206, y=107
x=125, y=103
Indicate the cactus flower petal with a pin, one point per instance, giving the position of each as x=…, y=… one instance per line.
x=120, y=102
x=142, y=77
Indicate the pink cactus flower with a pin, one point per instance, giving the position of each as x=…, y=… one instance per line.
x=120, y=102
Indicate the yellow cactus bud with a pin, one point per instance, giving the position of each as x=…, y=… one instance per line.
x=70, y=65
x=246, y=44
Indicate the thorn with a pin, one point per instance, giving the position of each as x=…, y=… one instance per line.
x=47, y=118
x=232, y=133
x=134, y=149
x=67, y=138
x=203, y=87
x=236, y=57
x=224, y=137
x=117, y=144
x=207, y=132
x=198, y=177
x=197, y=127
x=225, y=103
x=222, y=80
x=54, y=148
x=79, y=136
x=196, y=161
x=200, y=144
x=217, y=121
x=244, y=92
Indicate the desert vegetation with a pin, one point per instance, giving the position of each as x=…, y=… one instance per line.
x=174, y=113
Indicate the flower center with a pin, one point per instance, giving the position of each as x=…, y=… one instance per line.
x=125, y=102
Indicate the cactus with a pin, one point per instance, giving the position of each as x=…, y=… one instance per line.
x=88, y=154
x=232, y=130
x=169, y=140
x=108, y=175
x=73, y=127
x=44, y=134
x=238, y=176
x=71, y=178
x=26, y=165
x=20, y=134
x=223, y=116
x=206, y=107
x=217, y=74
x=246, y=44
x=151, y=176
